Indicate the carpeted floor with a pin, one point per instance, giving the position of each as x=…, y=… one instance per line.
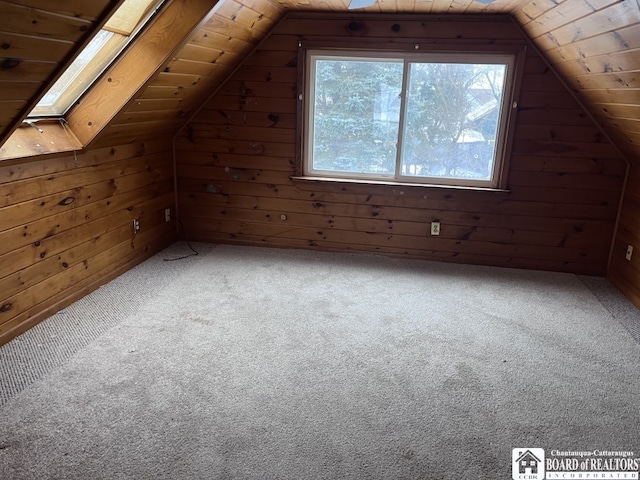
x=256, y=363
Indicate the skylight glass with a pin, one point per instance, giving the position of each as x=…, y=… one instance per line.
x=96, y=57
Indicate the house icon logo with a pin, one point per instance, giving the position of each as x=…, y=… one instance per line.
x=527, y=463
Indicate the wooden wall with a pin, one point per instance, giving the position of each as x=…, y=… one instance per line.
x=236, y=157
x=596, y=48
x=65, y=222
x=622, y=273
x=66, y=225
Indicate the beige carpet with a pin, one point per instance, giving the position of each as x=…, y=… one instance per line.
x=256, y=363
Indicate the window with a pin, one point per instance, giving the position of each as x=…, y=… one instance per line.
x=105, y=46
x=434, y=118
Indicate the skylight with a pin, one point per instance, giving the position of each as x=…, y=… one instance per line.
x=94, y=59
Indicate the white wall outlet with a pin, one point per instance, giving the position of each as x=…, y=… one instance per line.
x=136, y=225
x=629, y=252
x=435, y=228
x=167, y=214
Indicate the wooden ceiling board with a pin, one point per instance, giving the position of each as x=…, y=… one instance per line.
x=9, y=110
x=12, y=90
x=89, y=10
x=231, y=29
x=28, y=71
x=142, y=106
x=26, y=47
x=611, y=19
x=179, y=79
x=262, y=19
x=529, y=10
x=40, y=23
x=609, y=80
x=223, y=41
x=499, y=6
x=192, y=67
x=563, y=14
x=609, y=42
x=617, y=111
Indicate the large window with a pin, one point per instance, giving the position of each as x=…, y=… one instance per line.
x=437, y=118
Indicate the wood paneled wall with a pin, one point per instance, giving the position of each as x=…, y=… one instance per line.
x=623, y=273
x=596, y=48
x=66, y=225
x=236, y=158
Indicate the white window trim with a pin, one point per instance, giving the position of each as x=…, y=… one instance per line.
x=508, y=57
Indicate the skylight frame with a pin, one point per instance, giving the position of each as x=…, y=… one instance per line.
x=108, y=43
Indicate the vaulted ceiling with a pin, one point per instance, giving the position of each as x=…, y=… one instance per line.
x=594, y=45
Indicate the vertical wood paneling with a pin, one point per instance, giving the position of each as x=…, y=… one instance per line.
x=236, y=159
x=67, y=225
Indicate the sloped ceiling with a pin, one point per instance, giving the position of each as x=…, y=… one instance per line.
x=593, y=44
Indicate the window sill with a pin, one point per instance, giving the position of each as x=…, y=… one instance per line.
x=308, y=181
x=42, y=138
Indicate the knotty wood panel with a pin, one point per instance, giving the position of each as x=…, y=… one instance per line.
x=67, y=225
x=237, y=156
x=68, y=8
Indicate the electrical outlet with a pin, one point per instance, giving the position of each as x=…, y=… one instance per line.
x=167, y=214
x=136, y=225
x=435, y=228
x=629, y=252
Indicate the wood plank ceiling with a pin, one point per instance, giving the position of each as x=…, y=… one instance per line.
x=593, y=44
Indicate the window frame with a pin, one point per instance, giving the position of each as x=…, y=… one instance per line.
x=411, y=53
